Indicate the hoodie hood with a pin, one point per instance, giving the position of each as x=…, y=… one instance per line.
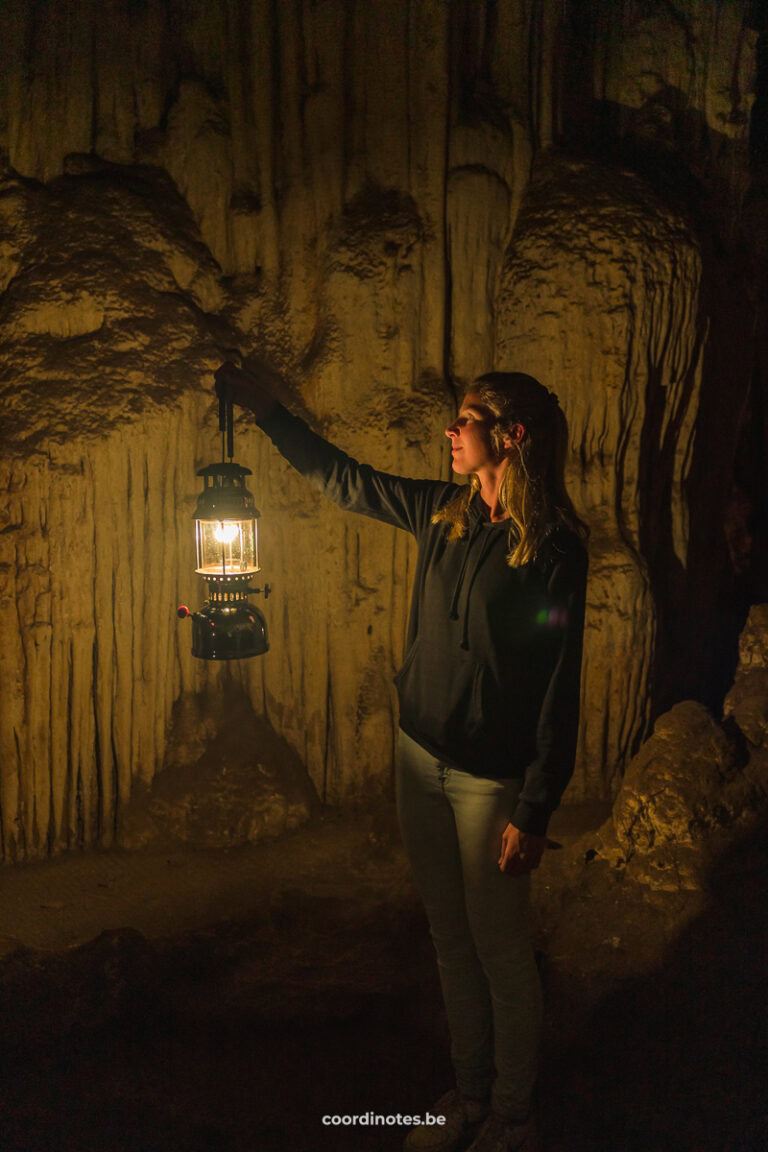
x=483, y=535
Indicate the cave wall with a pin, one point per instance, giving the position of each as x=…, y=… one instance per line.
x=384, y=197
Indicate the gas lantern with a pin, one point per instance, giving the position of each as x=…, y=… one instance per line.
x=227, y=627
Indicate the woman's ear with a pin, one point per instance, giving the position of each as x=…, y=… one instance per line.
x=514, y=436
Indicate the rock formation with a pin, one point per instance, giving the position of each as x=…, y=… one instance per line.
x=681, y=861
x=695, y=788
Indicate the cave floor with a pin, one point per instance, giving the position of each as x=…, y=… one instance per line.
x=67, y=900
x=211, y=999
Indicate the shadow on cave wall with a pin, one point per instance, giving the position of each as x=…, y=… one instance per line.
x=703, y=606
x=228, y=779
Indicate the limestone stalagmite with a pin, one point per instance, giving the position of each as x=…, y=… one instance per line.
x=346, y=188
x=600, y=297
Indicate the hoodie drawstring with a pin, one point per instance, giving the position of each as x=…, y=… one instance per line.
x=489, y=539
x=453, y=612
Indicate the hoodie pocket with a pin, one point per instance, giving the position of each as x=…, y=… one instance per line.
x=492, y=716
x=505, y=724
x=478, y=706
x=440, y=697
x=409, y=658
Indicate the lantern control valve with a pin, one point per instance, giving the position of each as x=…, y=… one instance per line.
x=267, y=589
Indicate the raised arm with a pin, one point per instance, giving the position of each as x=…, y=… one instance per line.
x=396, y=500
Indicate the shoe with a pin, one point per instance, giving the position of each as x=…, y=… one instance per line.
x=463, y=1117
x=500, y=1135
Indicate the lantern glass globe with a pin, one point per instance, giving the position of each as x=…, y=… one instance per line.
x=226, y=548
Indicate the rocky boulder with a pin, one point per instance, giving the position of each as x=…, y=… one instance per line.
x=696, y=784
x=747, y=700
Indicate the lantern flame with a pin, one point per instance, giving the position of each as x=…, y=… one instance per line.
x=225, y=533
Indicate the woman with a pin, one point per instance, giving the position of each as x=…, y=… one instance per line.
x=489, y=707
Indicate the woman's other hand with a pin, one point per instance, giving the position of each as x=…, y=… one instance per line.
x=252, y=387
x=520, y=851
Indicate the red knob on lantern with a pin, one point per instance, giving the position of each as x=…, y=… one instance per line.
x=182, y=612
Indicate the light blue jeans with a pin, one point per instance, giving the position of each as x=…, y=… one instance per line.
x=451, y=823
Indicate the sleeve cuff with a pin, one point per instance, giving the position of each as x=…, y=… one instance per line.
x=531, y=818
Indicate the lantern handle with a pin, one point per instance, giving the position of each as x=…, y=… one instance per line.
x=226, y=423
x=226, y=414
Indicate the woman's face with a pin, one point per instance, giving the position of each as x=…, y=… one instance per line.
x=470, y=436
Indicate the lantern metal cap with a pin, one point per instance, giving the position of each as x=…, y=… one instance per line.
x=225, y=496
x=230, y=471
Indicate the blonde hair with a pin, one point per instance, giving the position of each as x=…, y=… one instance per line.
x=532, y=490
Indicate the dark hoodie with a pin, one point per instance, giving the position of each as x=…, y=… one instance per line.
x=492, y=669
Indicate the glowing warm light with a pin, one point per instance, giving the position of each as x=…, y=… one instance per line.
x=226, y=547
x=225, y=533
